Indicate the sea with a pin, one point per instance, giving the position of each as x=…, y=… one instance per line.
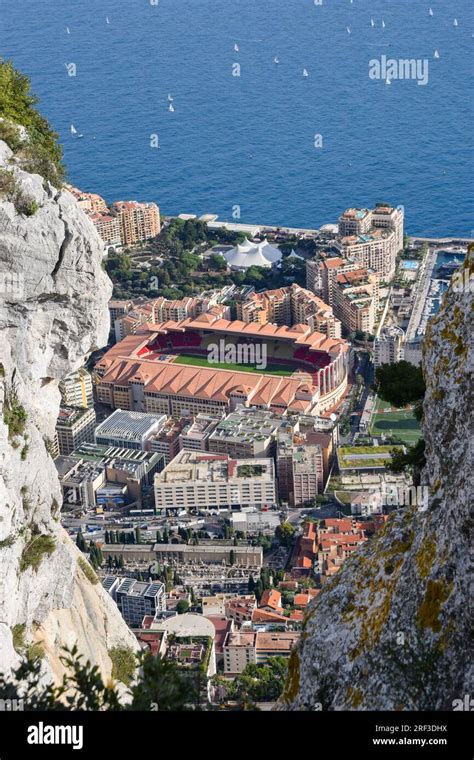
x=251, y=139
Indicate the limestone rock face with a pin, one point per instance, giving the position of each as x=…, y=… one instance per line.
x=391, y=630
x=53, y=313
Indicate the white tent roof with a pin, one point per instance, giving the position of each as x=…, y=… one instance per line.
x=248, y=254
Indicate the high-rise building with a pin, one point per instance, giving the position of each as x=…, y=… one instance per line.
x=74, y=426
x=136, y=599
x=138, y=221
x=107, y=226
x=389, y=345
x=308, y=473
x=373, y=238
x=355, y=299
x=76, y=389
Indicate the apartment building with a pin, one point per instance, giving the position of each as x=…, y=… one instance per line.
x=108, y=227
x=373, y=237
x=138, y=221
x=313, y=276
x=303, y=459
x=118, y=308
x=88, y=201
x=308, y=473
x=196, y=434
x=198, y=481
x=242, y=648
x=76, y=389
x=289, y=306
x=167, y=441
x=389, y=345
x=74, y=426
x=165, y=309
x=355, y=299
x=136, y=599
x=246, y=433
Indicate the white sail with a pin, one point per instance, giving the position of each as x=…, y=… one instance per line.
x=67, y=30
x=305, y=73
x=107, y=19
x=73, y=129
x=372, y=22
x=170, y=98
x=383, y=24
x=236, y=48
x=387, y=81
x=436, y=54
x=348, y=29
x=171, y=108
x=430, y=11
x=276, y=60
x=455, y=22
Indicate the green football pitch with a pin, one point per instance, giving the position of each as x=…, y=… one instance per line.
x=400, y=423
x=202, y=361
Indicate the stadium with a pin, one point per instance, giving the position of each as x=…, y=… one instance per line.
x=210, y=363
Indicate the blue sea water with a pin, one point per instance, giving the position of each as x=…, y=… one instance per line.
x=248, y=141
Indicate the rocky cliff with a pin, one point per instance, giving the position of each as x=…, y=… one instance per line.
x=391, y=630
x=53, y=313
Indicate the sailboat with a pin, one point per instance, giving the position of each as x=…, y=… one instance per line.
x=73, y=130
x=455, y=22
x=276, y=60
x=171, y=108
x=348, y=29
x=236, y=48
x=388, y=81
x=383, y=24
x=436, y=54
x=107, y=19
x=305, y=73
x=67, y=30
x=372, y=22
x=170, y=99
x=430, y=11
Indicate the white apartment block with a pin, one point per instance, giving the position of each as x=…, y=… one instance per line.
x=195, y=480
x=389, y=346
x=76, y=389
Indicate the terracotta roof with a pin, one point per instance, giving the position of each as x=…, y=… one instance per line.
x=270, y=598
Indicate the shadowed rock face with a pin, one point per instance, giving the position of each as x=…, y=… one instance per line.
x=53, y=313
x=391, y=630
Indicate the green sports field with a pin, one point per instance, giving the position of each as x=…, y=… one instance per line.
x=201, y=361
x=400, y=423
